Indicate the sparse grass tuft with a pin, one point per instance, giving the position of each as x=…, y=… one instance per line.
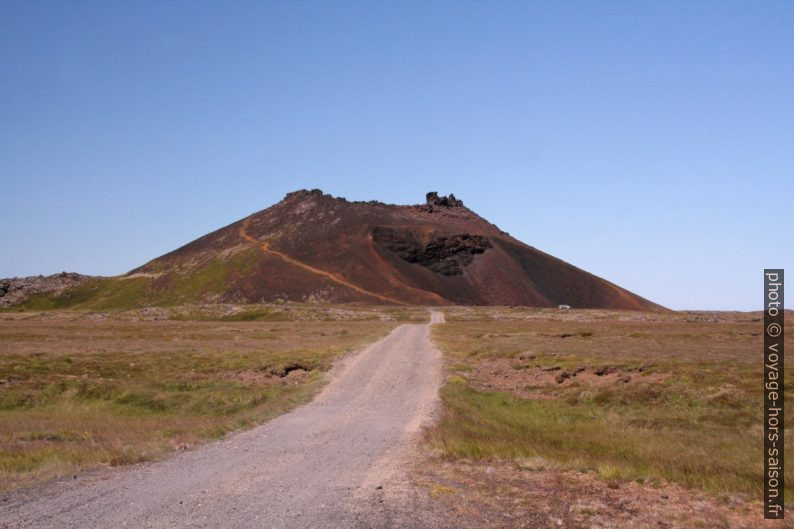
x=438, y=490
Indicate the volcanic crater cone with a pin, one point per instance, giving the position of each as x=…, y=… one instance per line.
x=315, y=247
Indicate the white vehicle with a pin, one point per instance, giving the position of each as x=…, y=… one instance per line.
x=565, y=307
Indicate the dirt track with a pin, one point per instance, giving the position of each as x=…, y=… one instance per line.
x=320, y=466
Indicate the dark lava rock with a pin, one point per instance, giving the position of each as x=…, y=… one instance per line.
x=448, y=256
x=450, y=201
x=606, y=370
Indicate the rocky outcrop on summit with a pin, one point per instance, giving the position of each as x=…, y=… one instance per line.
x=432, y=199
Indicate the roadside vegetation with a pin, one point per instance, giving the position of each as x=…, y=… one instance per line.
x=87, y=389
x=623, y=396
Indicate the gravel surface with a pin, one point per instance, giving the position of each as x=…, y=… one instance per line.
x=324, y=465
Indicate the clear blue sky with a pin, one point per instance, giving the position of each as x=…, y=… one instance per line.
x=651, y=143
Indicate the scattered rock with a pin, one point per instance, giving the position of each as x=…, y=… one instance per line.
x=15, y=290
x=153, y=314
x=562, y=376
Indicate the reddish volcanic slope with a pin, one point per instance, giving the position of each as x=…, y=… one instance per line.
x=314, y=247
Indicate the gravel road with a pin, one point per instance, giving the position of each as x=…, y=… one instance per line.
x=324, y=465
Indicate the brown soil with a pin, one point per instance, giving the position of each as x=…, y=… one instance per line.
x=528, y=379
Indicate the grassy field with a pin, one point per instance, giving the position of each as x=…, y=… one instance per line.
x=622, y=396
x=80, y=390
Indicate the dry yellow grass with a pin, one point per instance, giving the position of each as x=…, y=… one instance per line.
x=81, y=390
x=691, y=412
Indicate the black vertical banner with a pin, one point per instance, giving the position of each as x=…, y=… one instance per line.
x=773, y=394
